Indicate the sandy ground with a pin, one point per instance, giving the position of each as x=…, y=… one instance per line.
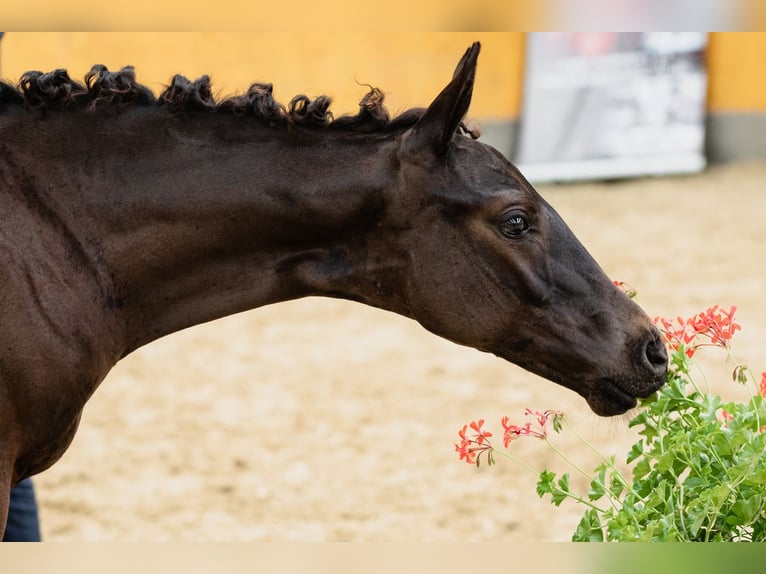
x=323, y=420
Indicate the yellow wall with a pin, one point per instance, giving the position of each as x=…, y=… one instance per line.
x=410, y=67
x=737, y=67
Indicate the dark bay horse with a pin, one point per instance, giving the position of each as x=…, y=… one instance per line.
x=125, y=217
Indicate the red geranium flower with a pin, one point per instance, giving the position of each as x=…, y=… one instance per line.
x=714, y=324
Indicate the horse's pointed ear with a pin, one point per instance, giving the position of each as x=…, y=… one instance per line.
x=436, y=128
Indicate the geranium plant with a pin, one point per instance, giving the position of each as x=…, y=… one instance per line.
x=698, y=471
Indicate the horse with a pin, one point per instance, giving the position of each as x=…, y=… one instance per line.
x=127, y=217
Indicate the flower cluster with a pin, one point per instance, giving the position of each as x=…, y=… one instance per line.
x=715, y=325
x=473, y=445
x=512, y=432
x=471, y=449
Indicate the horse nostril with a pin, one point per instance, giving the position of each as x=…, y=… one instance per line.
x=655, y=354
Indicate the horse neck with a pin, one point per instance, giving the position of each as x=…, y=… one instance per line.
x=202, y=218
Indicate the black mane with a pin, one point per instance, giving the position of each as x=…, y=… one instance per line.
x=55, y=90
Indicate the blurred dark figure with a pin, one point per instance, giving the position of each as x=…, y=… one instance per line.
x=23, y=522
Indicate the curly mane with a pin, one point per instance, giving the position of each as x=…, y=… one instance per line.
x=56, y=91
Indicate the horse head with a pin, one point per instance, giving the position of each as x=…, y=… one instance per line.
x=500, y=271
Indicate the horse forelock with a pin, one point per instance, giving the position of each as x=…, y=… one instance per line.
x=119, y=89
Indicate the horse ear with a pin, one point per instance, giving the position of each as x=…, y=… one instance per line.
x=436, y=128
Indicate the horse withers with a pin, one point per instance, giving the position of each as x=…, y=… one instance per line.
x=127, y=217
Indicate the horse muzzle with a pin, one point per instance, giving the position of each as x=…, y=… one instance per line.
x=614, y=395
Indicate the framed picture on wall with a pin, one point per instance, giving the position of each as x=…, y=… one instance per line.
x=610, y=105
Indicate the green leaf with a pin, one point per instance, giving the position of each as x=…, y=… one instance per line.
x=721, y=444
x=658, y=497
x=616, y=486
x=758, y=477
x=562, y=492
x=739, y=437
x=545, y=484
x=719, y=494
x=696, y=524
x=636, y=451
x=639, y=419
x=597, y=489
x=641, y=469
x=744, y=512
x=650, y=430
x=589, y=528
x=679, y=362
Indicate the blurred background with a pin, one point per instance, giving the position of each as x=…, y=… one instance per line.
x=323, y=420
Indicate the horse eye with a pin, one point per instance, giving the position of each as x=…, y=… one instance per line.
x=514, y=226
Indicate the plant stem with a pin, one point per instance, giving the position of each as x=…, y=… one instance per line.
x=579, y=469
x=608, y=461
x=574, y=497
x=518, y=461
